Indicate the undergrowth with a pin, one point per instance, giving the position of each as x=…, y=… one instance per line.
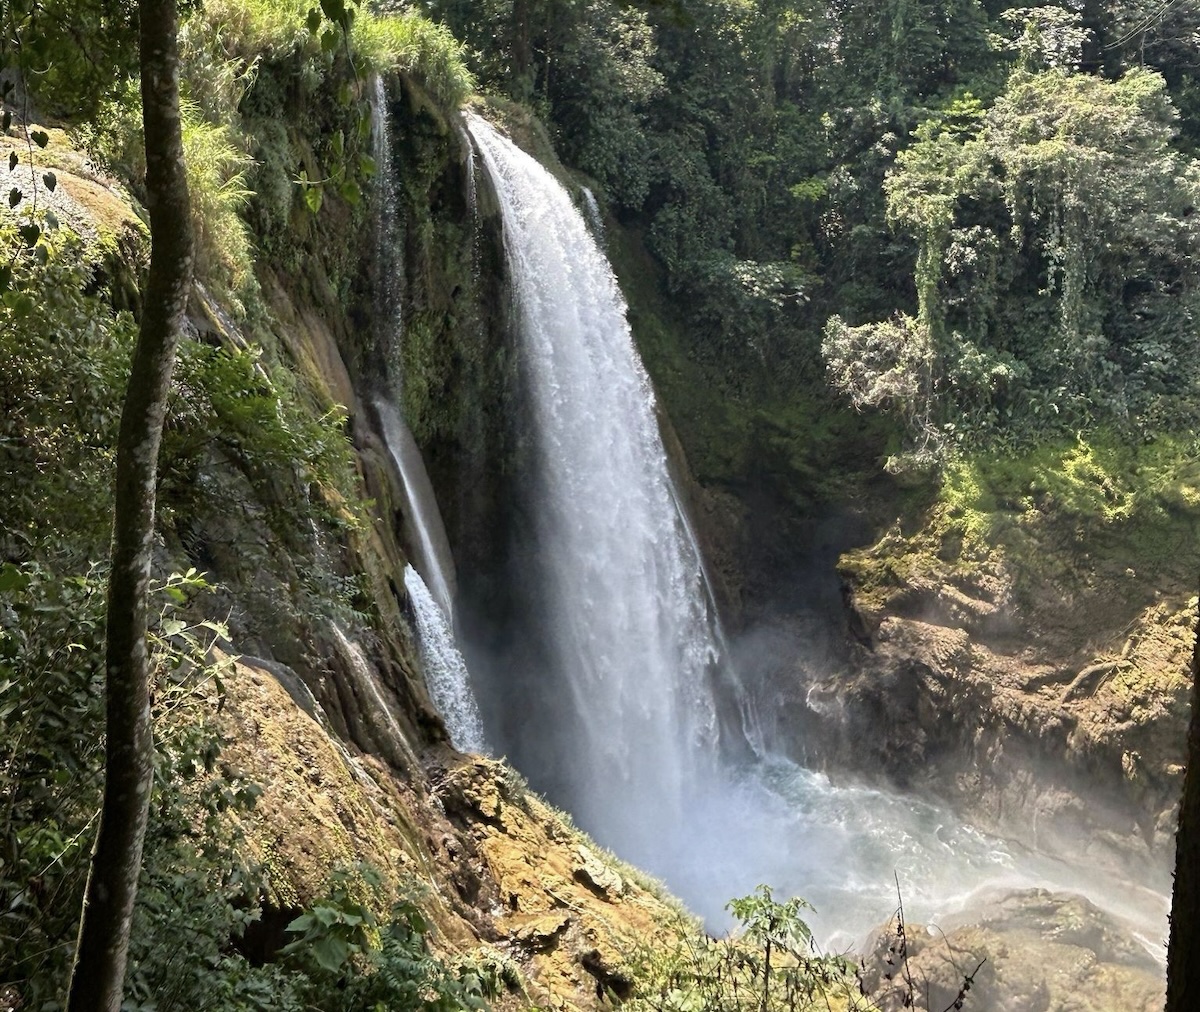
x=1096, y=482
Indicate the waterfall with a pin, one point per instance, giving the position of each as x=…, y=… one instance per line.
x=610, y=706
x=594, y=217
x=469, y=166
x=430, y=582
x=445, y=670
x=389, y=269
x=626, y=617
x=427, y=534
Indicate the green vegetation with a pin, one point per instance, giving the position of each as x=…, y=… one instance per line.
x=976, y=225
x=252, y=453
x=974, y=219
x=1052, y=277
x=766, y=965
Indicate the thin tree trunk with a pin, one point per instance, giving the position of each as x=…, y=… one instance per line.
x=98, y=975
x=1183, y=950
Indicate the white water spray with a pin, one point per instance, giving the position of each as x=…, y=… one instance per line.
x=628, y=740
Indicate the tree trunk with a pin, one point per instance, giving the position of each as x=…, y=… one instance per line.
x=98, y=975
x=1183, y=950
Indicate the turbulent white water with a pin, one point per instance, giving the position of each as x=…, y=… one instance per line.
x=626, y=734
x=446, y=673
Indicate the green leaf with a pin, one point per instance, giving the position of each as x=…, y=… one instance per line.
x=13, y=160
x=313, y=197
x=313, y=21
x=301, y=923
x=14, y=197
x=40, y=138
x=6, y=121
x=51, y=181
x=329, y=40
x=29, y=232
x=11, y=578
x=351, y=192
x=339, y=143
x=345, y=95
x=173, y=627
x=366, y=166
x=330, y=952
x=334, y=10
x=218, y=628
x=6, y=276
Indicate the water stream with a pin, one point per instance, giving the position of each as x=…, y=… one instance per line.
x=430, y=546
x=430, y=581
x=446, y=673
x=625, y=734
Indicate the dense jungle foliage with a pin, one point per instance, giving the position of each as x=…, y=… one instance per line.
x=978, y=219
x=988, y=211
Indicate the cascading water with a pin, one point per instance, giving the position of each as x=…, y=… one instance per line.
x=445, y=670
x=389, y=270
x=622, y=727
x=430, y=546
x=626, y=621
x=594, y=217
x=430, y=584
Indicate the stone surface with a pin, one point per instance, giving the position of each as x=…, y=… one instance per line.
x=1028, y=951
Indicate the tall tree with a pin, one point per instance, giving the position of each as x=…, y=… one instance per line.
x=98, y=975
x=1183, y=964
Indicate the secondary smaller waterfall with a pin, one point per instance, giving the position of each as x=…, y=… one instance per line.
x=424, y=521
x=430, y=581
x=389, y=276
x=432, y=595
x=445, y=670
x=594, y=217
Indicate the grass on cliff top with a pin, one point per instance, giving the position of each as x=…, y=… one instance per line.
x=404, y=42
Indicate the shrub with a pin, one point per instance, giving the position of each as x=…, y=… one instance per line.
x=216, y=169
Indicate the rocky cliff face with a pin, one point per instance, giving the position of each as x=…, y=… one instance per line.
x=503, y=877
x=334, y=719
x=324, y=706
x=1041, y=688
